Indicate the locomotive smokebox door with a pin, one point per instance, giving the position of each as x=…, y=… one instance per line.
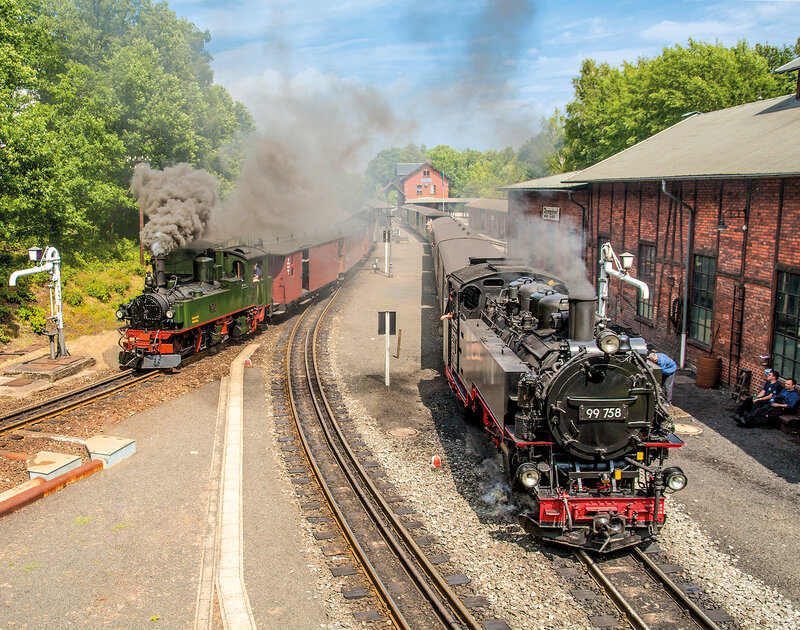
x=596, y=410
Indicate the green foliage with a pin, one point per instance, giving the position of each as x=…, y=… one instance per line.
x=84, y=87
x=615, y=108
x=34, y=316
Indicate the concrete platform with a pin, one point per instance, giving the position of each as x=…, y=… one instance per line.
x=49, y=369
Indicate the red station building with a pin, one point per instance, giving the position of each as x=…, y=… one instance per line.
x=710, y=207
x=419, y=181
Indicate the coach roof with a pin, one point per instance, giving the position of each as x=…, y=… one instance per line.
x=753, y=140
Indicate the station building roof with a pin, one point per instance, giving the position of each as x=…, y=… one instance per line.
x=494, y=205
x=756, y=139
x=551, y=182
x=404, y=169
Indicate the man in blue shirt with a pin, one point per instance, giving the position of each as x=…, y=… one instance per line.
x=786, y=402
x=668, y=369
x=761, y=401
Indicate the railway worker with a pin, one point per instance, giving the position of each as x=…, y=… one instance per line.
x=772, y=387
x=256, y=272
x=668, y=369
x=784, y=403
x=448, y=309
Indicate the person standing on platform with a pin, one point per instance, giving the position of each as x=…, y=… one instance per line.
x=668, y=369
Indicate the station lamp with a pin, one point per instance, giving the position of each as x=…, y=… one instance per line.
x=627, y=260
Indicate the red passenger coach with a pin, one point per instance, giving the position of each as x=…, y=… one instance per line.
x=322, y=263
x=287, y=284
x=301, y=267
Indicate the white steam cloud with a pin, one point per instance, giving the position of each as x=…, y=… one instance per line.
x=551, y=247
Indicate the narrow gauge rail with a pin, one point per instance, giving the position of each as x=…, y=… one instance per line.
x=621, y=570
x=424, y=599
x=72, y=399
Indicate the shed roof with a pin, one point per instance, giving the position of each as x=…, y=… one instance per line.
x=794, y=64
x=495, y=205
x=551, y=182
x=753, y=140
x=457, y=200
x=379, y=204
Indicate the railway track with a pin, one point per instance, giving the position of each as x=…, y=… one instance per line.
x=72, y=399
x=627, y=578
x=405, y=582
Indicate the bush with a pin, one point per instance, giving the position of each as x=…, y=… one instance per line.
x=72, y=296
x=34, y=316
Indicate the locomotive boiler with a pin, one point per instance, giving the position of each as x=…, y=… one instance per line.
x=573, y=406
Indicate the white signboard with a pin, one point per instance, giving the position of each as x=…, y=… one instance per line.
x=551, y=213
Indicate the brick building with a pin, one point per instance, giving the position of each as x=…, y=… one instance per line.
x=420, y=180
x=710, y=207
x=488, y=216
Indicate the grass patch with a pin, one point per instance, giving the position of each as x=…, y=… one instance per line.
x=91, y=291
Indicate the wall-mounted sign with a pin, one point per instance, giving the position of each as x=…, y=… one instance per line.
x=551, y=213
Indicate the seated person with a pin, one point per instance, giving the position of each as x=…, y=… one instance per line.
x=771, y=387
x=784, y=403
x=256, y=272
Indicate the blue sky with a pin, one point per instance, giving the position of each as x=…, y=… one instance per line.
x=472, y=73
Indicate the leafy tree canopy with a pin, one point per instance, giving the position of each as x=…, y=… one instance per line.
x=86, y=86
x=615, y=108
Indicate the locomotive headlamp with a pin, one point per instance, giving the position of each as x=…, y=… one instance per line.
x=608, y=342
x=675, y=479
x=170, y=313
x=120, y=314
x=528, y=475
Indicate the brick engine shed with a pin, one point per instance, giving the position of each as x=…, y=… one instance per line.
x=710, y=207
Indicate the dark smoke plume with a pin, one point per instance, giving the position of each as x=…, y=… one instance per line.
x=315, y=130
x=482, y=82
x=178, y=202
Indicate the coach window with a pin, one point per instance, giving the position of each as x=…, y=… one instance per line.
x=646, y=272
x=786, y=332
x=702, y=304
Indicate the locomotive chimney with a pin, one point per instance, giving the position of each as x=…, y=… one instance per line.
x=582, y=307
x=159, y=267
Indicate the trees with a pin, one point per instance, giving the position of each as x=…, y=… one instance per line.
x=615, y=108
x=85, y=85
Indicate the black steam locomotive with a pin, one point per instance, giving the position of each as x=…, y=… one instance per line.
x=573, y=406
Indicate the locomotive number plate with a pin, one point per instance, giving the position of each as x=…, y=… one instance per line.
x=591, y=412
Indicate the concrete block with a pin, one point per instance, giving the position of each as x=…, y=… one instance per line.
x=50, y=465
x=110, y=448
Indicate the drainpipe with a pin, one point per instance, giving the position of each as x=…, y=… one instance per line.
x=689, y=247
x=583, y=219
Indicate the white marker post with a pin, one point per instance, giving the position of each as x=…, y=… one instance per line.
x=387, y=237
x=387, y=322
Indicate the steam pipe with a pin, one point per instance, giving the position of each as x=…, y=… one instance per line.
x=12, y=279
x=689, y=247
x=608, y=267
